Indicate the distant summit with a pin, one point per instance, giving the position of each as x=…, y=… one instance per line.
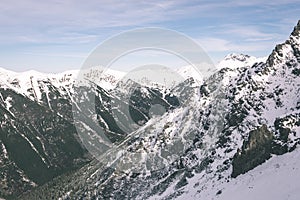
x=235, y=60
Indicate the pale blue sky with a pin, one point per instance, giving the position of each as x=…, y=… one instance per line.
x=57, y=35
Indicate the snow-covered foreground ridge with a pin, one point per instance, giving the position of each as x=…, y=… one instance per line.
x=276, y=179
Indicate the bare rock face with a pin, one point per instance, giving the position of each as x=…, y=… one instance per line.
x=256, y=150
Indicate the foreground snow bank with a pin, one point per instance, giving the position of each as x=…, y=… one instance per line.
x=277, y=179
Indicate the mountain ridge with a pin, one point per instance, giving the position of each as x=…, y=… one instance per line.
x=237, y=120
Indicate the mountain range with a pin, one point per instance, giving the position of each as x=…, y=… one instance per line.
x=237, y=134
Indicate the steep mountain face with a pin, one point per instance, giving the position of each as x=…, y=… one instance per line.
x=236, y=120
x=37, y=141
x=38, y=137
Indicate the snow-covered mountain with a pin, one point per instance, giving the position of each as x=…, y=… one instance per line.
x=235, y=60
x=33, y=83
x=37, y=118
x=245, y=114
x=204, y=147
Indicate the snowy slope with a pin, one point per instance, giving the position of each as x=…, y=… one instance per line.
x=276, y=179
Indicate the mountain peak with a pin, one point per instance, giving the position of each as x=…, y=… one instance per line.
x=237, y=56
x=235, y=60
x=296, y=30
x=289, y=51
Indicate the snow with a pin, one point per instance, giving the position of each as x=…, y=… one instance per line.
x=190, y=72
x=8, y=103
x=5, y=154
x=32, y=83
x=276, y=179
x=105, y=78
x=30, y=143
x=235, y=60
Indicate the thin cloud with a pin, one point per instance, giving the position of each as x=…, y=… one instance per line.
x=80, y=55
x=63, y=27
x=222, y=45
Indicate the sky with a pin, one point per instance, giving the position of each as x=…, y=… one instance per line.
x=58, y=35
